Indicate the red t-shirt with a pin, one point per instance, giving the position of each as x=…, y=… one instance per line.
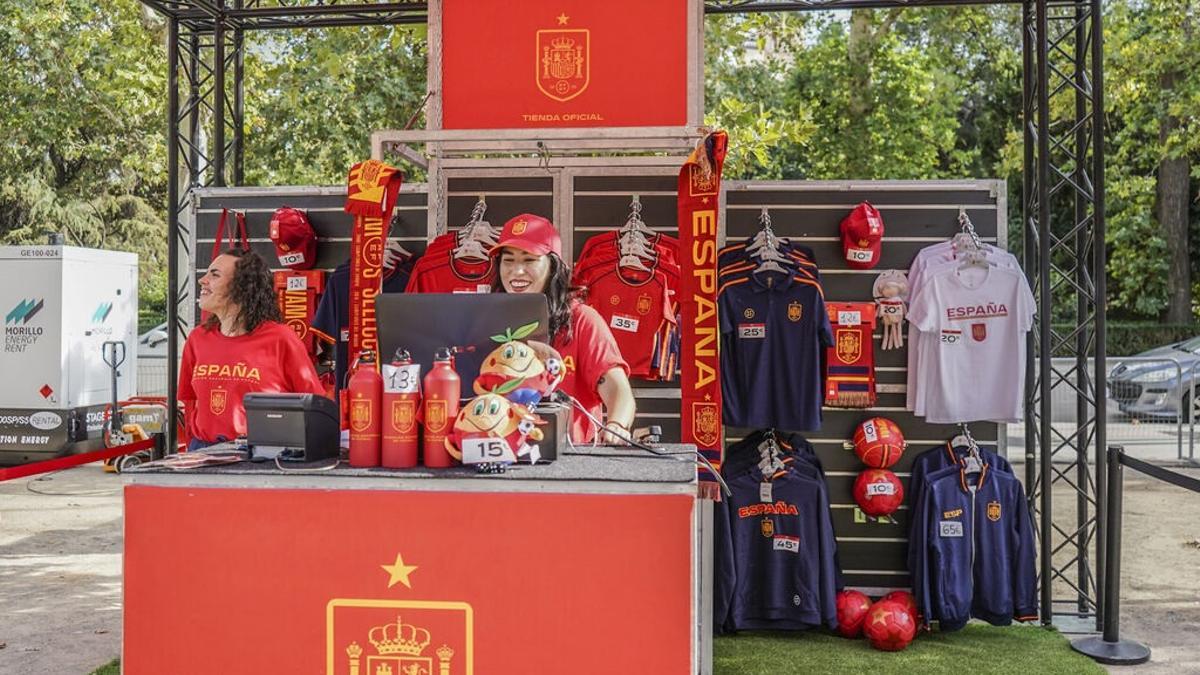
x=634, y=305
x=590, y=354
x=438, y=272
x=217, y=371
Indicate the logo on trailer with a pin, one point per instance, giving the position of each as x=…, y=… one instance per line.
x=643, y=305
x=563, y=61
x=24, y=311
x=849, y=345
x=795, y=311
x=217, y=399
x=993, y=511
x=102, y=312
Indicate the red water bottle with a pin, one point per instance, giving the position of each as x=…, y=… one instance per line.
x=442, y=391
x=401, y=398
x=365, y=391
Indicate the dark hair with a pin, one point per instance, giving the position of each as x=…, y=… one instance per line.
x=252, y=289
x=559, y=296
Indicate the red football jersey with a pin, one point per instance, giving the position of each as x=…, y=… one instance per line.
x=590, y=354
x=601, y=250
x=217, y=371
x=438, y=272
x=634, y=305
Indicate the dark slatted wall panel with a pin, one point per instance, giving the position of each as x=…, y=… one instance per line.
x=872, y=553
x=324, y=206
x=602, y=203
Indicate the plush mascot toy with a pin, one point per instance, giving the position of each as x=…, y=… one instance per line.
x=515, y=360
x=491, y=415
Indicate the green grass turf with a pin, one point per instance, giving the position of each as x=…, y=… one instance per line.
x=975, y=650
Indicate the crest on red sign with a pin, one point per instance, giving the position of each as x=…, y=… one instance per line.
x=563, y=62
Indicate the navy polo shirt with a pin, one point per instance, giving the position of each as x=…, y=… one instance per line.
x=774, y=331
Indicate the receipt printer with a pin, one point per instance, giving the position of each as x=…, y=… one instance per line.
x=298, y=427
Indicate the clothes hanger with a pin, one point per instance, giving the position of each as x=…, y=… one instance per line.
x=478, y=237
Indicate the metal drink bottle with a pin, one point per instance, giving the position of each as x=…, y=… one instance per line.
x=442, y=391
x=365, y=393
x=401, y=401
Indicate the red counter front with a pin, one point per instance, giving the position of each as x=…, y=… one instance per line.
x=406, y=582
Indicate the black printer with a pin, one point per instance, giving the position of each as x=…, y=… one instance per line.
x=298, y=427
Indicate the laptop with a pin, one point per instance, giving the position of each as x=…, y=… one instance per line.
x=422, y=323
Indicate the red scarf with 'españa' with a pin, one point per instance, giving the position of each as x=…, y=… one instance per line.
x=370, y=196
x=699, y=196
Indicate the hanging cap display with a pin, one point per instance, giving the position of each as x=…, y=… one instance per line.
x=862, y=237
x=530, y=233
x=294, y=238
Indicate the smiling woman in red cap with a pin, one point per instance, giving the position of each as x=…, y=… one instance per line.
x=242, y=347
x=530, y=255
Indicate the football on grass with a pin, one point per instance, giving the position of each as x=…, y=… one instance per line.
x=888, y=626
x=852, y=608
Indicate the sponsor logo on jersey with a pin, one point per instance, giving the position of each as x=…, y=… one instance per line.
x=993, y=511
x=956, y=513
x=986, y=311
x=795, y=311
x=614, y=300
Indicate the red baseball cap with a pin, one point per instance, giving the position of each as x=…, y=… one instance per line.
x=530, y=233
x=862, y=237
x=294, y=238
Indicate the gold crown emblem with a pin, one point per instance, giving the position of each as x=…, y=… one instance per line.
x=399, y=638
x=562, y=43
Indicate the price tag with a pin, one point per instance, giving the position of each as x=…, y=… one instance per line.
x=293, y=258
x=951, y=528
x=849, y=318
x=876, y=489
x=625, y=323
x=765, y=493
x=299, y=283
x=752, y=331
x=785, y=543
x=480, y=450
x=869, y=431
x=401, y=379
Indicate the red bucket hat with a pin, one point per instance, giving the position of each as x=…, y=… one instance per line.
x=294, y=238
x=862, y=237
x=530, y=233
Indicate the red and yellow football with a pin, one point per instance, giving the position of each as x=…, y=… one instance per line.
x=878, y=442
x=878, y=492
x=852, y=609
x=889, y=627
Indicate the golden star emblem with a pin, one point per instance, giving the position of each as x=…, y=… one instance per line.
x=704, y=200
x=563, y=18
x=708, y=397
x=880, y=616
x=399, y=572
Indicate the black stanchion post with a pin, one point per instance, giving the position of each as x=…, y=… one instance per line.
x=1109, y=648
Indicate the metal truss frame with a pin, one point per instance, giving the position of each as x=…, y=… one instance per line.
x=1062, y=221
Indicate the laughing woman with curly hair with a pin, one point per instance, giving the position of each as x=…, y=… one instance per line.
x=242, y=347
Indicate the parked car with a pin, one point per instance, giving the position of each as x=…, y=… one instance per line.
x=1158, y=383
x=153, y=343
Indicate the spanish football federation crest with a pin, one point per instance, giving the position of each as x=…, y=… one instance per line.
x=849, y=345
x=217, y=399
x=404, y=414
x=767, y=526
x=377, y=636
x=563, y=61
x=643, y=304
x=435, y=416
x=795, y=311
x=519, y=226
x=360, y=414
x=979, y=331
x=700, y=183
x=993, y=511
x=705, y=425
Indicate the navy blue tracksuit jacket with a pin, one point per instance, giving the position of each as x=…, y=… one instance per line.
x=974, y=550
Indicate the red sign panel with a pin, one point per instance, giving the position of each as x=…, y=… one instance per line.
x=363, y=582
x=562, y=64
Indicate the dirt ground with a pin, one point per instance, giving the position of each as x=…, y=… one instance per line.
x=60, y=573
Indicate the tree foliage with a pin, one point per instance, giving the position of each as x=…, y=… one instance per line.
x=913, y=93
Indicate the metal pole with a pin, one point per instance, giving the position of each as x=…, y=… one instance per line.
x=239, y=109
x=1045, y=306
x=172, y=229
x=1099, y=275
x=1029, y=243
x=1109, y=648
x=193, y=104
x=1081, y=315
x=218, y=156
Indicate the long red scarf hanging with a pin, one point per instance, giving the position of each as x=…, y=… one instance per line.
x=700, y=380
x=370, y=197
x=296, y=292
x=850, y=362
